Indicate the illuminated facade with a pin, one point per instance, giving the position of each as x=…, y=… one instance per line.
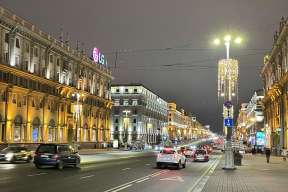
x=39, y=75
x=275, y=101
x=241, y=123
x=138, y=114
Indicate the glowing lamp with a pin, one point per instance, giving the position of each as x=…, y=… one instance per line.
x=238, y=40
x=227, y=38
x=217, y=41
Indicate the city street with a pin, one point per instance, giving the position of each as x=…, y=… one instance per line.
x=130, y=171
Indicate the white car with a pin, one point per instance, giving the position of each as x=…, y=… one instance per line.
x=171, y=157
x=189, y=153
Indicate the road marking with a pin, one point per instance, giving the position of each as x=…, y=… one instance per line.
x=125, y=184
x=196, y=183
x=123, y=188
x=147, y=164
x=177, y=178
x=36, y=174
x=86, y=177
x=142, y=180
x=125, y=169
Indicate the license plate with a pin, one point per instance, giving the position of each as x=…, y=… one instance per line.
x=44, y=155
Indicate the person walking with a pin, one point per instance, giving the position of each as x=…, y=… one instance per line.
x=267, y=153
x=108, y=147
x=284, y=154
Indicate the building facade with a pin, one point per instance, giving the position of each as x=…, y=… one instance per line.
x=176, y=125
x=241, y=123
x=138, y=114
x=275, y=76
x=41, y=78
x=255, y=120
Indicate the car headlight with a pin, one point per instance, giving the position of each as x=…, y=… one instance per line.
x=9, y=155
x=156, y=148
x=161, y=148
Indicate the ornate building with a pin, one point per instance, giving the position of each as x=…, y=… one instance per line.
x=40, y=80
x=241, y=123
x=274, y=103
x=138, y=113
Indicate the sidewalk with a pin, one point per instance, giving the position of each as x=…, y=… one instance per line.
x=254, y=175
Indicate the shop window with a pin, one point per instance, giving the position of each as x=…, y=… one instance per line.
x=61, y=135
x=16, y=134
x=134, y=128
x=50, y=134
x=85, y=134
x=169, y=119
x=56, y=134
x=35, y=133
x=17, y=43
x=116, y=128
x=93, y=135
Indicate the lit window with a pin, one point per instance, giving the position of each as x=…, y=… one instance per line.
x=16, y=61
x=17, y=43
x=13, y=98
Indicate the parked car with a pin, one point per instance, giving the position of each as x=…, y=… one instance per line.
x=171, y=157
x=57, y=155
x=13, y=154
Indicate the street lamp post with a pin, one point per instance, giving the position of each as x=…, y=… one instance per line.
x=77, y=111
x=228, y=67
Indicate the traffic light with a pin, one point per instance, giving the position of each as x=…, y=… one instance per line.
x=164, y=137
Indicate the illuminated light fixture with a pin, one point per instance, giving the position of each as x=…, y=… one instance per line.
x=233, y=94
x=252, y=119
x=82, y=95
x=217, y=41
x=227, y=38
x=222, y=94
x=73, y=94
x=238, y=40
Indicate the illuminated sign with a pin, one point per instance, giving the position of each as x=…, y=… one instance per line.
x=260, y=138
x=97, y=56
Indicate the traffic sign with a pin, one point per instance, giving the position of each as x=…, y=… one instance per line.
x=228, y=113
x=228, y=122
x=228, y=104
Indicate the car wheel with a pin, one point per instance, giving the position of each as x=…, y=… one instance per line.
x=77, y=163
x=29, y=159
x=178, y=165
x=13, y=159
x=158, y=165
x=38, y=166
x=60, y=165
x=184, y=165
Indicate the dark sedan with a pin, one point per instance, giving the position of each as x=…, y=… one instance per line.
x=57, y=155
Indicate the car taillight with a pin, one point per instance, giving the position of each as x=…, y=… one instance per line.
x=184, y=152
x=175, y=156
x=159, y=154
x=55, y=156
x=35, y=155
x=205, y=155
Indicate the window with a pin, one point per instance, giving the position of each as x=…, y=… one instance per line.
x=116, y=128
x=169, y=119
x=13, y=98
x=70, y=81
x=6, y=37
x=135, y=90
x=64, y=79
x=16, y=61
x=41, y=103
x=126, y=90
x=17, y=43
x=44, y=54
x=50, y=134
x=116, y=120
x=36, y=51
x=33, y=103
x=134, y=121
x=57, y=77
x=58, y=61
x=6, y=56
x=117, y=90
x=3, y=96
x=51, y=58
x=17, y=133
x=24, y=100
x=135, y=112
x=27, y=47
x=49, y=106
x=134, y=128
x=43, y=71
x=70, y=68
x=50, y=73
x=26, y=64
x=35, y=68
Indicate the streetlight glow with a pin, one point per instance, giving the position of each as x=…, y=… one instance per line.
x=233, y=94
x=73, y=94
x=238, y=40
x=82, y=95
x=222, y=94
x=217, y=41
x=227, y=38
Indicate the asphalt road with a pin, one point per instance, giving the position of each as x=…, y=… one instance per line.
x=135, y=171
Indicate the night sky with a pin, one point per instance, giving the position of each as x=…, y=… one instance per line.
x=167, y=45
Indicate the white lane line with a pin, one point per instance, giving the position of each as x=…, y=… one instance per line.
x=86, y=177
x=36, y=174
x=147, y=164
x=125, y=169
x=123, y=188
x=142, y=180
x=136, y=180
x=156, y=175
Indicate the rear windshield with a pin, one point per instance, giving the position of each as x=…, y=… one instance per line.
x=46, y=149
x=200, y=151
x=168, y=151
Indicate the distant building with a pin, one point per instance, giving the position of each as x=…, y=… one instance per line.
x=138, y=113
x=241, y=123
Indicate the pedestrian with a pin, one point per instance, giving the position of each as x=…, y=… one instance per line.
x=108, y=147
x=267, y=153
x=253, y=151
x=284, y=154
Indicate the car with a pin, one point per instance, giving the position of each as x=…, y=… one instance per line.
x=13, y=154
x=201, y=155
x=215, y=145
x=170, y=157
x=158, y=147
x=177, y=147
x=57, y=155
x=208, y=149
x=189, y=153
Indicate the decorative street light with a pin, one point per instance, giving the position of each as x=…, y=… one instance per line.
x=228, y=87
x=77, y=111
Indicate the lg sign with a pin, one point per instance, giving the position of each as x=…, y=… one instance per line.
x=97, y=56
